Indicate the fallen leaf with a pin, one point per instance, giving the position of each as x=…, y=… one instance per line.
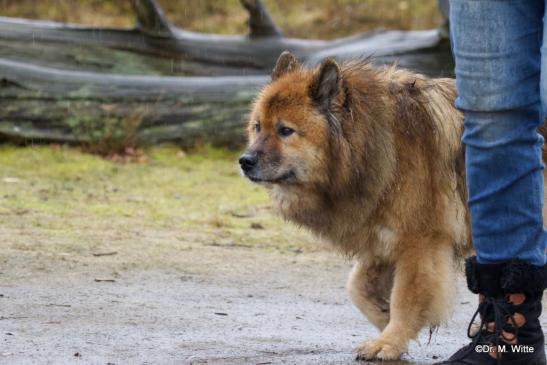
x=11, y=180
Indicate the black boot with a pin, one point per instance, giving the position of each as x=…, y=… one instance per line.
x=509, y=308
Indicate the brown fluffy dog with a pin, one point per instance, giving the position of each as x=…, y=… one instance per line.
x=371, y=160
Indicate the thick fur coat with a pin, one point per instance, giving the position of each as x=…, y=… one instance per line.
x=370, y=159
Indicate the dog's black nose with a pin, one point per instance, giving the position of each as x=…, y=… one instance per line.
x=247, y=161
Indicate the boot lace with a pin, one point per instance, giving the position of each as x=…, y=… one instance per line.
x=502, y=314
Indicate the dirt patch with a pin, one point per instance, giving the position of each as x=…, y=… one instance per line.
x=220, y=306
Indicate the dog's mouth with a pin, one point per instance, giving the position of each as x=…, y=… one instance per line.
x=277, y=180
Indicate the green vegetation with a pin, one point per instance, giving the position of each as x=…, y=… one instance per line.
x=109, y=135
x=57, y=200
x=301, y=18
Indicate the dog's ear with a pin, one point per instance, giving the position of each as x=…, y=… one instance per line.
x=286, y=62
x=326, y=83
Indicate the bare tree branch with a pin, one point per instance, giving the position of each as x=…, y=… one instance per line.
x=260, y=23
x=150, y=18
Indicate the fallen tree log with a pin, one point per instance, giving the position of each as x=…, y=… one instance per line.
x=252, y=53
x=156, y=82
x=40, y=103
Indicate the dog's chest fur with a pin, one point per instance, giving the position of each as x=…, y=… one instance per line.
x=376, y=237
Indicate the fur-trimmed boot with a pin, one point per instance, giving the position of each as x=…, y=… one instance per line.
x=509, y=310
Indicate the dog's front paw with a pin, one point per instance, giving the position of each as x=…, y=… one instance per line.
x=379, y=349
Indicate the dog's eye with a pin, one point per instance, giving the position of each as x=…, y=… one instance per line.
x=257, y=127
x=285, y=131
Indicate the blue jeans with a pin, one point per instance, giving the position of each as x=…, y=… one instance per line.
x=501, y=66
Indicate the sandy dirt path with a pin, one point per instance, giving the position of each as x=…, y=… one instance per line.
x=221, y=306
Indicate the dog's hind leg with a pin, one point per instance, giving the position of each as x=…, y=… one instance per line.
x=369, y=287
x=422, y=286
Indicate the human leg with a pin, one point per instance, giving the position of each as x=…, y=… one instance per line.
x=497, y=49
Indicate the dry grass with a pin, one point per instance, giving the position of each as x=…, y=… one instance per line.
x=297, y=18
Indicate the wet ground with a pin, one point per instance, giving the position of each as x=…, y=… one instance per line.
x=224, y=306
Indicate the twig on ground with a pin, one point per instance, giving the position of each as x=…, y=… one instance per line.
x=111, y=253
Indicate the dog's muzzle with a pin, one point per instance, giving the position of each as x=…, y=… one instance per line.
x=248, y=161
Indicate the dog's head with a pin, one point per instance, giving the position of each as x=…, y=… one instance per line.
x=288, y=130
